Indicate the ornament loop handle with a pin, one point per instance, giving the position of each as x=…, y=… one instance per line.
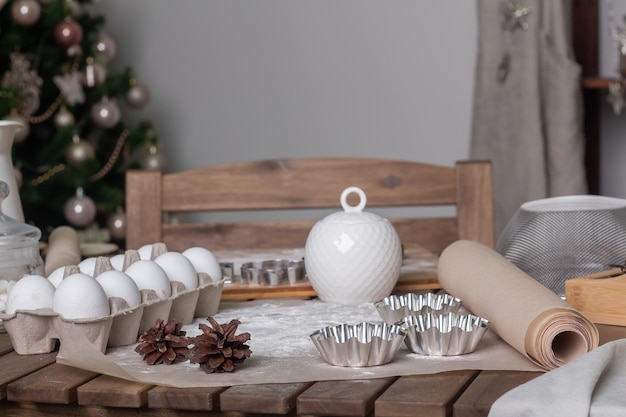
x=344, y=200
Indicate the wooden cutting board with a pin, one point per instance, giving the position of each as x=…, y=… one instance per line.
x=601, y=297
x=418, y=272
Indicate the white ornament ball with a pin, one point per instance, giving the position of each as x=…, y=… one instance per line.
x=30, y=292
x=178, y=268
x=116, y=224
x=138, y=95
x=153, y=160
x=204, y=261
x=79, y=296
x=106, y=113
x=80, y=211
x=26, y=12
x=105, y=46
x=64, y=118
x=79, y=152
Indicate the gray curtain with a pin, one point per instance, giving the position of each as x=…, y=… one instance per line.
x=530, y=124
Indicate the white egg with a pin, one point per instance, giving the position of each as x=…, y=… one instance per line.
x=118, y=284
x=148, y=275
x=56, y=276
x=178, y=268
x=80, y=296
x=117, y=261
x=145, y=252
x=31, y=292
x=88, y=265
x=204, y=261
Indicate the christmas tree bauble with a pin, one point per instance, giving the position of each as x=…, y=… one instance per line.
x=26, y=12
x=106, y=113
x=116, y=224
x=138, y=95
x=68, y=33
x=78, y=152
x=80, y=210
x=153, y=160
x=64, y=118
x=105, y=46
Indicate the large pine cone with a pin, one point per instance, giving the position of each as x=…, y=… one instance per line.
x=164, y=343
x=218, y=348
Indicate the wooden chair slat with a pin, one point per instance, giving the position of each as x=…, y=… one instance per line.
x=55, y=383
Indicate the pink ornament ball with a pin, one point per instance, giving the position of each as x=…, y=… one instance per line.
x=68, y=33
x=26, y=12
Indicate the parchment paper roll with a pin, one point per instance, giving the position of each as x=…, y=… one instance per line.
x=524, y=313
x=63, y=249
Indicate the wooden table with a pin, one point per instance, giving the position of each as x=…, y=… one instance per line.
x=34, y=385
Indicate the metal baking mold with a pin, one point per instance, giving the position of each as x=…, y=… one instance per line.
x=274, y=272
x=443, y=334
x=396, y=307
x=357, y=345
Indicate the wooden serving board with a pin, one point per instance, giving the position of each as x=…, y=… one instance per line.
x=601, y=297
x=418, y=273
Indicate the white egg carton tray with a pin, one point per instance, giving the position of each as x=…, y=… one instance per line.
x=37, y=331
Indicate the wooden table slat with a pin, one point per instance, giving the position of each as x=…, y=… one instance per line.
x=55, y=383
x=14, y=366
x=423, y=395
x=342, y=398
x=488, y=386
x=206, y=399
x=266, y=398
x=108, y=391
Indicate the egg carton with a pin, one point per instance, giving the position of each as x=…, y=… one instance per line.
x=37, y=331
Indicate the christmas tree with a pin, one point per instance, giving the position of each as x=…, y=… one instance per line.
x=72, y=152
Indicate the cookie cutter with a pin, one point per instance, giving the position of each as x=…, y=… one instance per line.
x=274, y=272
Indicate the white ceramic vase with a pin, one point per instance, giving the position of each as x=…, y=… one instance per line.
x=353, y=257
x=12, y=205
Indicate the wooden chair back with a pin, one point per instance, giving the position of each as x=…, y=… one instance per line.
x=307, y=183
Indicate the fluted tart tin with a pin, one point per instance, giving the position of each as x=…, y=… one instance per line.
x=396, y=307
x=359, y=345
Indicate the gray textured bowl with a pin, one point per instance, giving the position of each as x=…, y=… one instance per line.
x=363, y=344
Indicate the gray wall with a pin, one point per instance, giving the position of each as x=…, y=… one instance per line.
x=241, y=79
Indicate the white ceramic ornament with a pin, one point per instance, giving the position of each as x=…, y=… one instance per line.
x=178, y=268
x=118, y=284
x=79, y=296
x=204, y=261
x=31, y=292
x=150, y=276
x=353, y=257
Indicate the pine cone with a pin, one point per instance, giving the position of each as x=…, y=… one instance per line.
x=164, y=343
x=218, y=349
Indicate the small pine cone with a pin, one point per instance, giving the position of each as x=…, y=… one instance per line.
x=218, y=349
x=164, y=343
